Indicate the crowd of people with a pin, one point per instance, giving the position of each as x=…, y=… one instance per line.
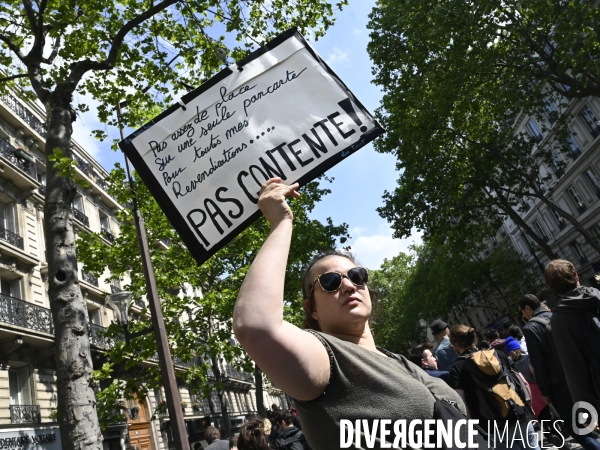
x=556, y=354
x=280, y=430
x=334, y=371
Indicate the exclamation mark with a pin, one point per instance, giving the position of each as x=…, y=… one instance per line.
x=346, y=105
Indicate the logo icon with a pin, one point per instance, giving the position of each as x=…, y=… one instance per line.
x=584, y=417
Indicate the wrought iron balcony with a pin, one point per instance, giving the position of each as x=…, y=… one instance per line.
x=232, y=372
x=25, y=414
x=82, y=165
x=24, y=314
x=16, y=158
x=108, y=235
x=81, y=217
x=11, y=238
x=21, y=111
x=133, y=413
x=97, y=336
x=89, y=278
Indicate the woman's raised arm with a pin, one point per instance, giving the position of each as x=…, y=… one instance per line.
x=294, y=360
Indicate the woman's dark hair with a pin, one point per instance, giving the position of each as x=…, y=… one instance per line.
x=515, y=332
x=307, y=282
x=463, y=335
x=252, y=436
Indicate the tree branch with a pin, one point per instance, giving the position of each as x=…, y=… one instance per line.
x=13, y=77
x=50, y=59
x=13, y=48
x=30, y=16
x=79, y=68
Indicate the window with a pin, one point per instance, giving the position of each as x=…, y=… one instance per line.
x=559, y=219
x=576, y=247
x=78, y=204
x=551, y=111
x=95, y=316
x=104, y=222
x=541, y=186
x=494, y=241
x=591, y=120
x=534, y=130
x=593, y=179
x=596, y=231
x=573, y=146
x=524, y=205
x=556, y=164
x=540, y=231
x=7, y=217
x=576, y=197
x=502, y=231
x=11, y=288
x=19, y=386
x=215, y=403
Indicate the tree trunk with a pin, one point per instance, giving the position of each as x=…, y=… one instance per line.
x=77, y=416
x=221, y=394
x=260, y=400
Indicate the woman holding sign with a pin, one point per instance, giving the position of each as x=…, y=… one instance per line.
x=340, y=380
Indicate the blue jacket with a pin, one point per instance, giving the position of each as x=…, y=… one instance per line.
x=442, y=374
x=445, y=354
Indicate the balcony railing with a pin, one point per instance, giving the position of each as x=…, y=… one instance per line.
x=89, y=278
x=21, y=111
x=25, y=414
x=11, y=238
x=15, y=157
x=108, y=235
x=115, y=289
x=81, y=217
x=25, y=314
x=232, y=372
x=97, y=336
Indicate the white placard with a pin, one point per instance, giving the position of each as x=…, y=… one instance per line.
x=281, y=112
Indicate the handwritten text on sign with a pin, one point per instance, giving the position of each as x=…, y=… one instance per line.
x=284, y=115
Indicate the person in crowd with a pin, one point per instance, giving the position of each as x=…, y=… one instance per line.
x=295, y=417
x=332, y=369
x=522, y=363
x=233, y=441
x=443, y=352
x=213, y=436
x=576, y=325
x=291, y=437
x=547, y=366
x=252, y=436
x=516, y=333
x=421, y=356
x=496, y=342
x=464, y=342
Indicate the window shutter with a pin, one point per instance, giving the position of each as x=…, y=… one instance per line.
x=13, y=383
x=25, y=385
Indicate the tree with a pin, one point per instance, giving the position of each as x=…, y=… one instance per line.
x=54, y=50
x=459, y=76
x=442, y=276
x=197, y=301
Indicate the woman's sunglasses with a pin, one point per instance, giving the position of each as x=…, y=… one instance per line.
x=332, y=281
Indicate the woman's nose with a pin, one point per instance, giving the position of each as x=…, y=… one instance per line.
x=347, y=284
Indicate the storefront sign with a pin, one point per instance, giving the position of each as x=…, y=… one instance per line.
x=30, y=439
x=281, y=112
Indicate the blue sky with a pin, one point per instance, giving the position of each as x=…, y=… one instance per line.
x=360, y=180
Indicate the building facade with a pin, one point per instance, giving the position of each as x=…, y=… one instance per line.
x=28, y=396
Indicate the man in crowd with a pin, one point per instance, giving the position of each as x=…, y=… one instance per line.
x=213, y=437
x=444, y=353
x=548, y=370
x=493, y=337
x=575, y=323
x=291, y=437
x=421, y=355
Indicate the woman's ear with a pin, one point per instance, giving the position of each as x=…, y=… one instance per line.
x=307, y=307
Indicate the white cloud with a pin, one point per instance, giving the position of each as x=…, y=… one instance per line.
x=357, y=231
x=371, y=250
x=337, y=57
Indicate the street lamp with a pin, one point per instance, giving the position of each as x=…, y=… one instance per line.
x=120, y=303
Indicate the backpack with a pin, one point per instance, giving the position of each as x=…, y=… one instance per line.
x=501, y=393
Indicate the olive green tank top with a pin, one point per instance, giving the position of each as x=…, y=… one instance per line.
x=367, y=385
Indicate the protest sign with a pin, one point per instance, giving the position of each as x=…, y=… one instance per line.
x=280, y=112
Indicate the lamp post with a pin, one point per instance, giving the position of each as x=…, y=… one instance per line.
x=158, y=323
